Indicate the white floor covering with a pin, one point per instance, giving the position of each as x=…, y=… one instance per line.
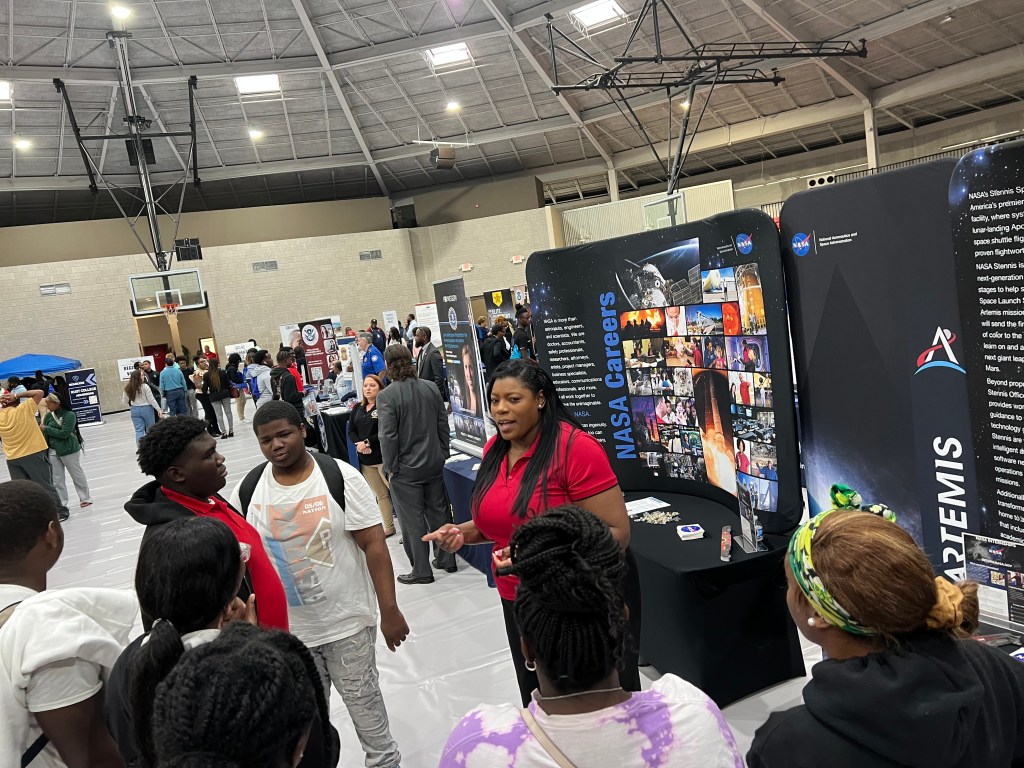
x=455, y=658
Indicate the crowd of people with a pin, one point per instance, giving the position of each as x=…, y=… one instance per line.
x=256, y=601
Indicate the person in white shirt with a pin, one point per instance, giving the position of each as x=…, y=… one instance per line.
x=328, y=547
x=57, y=647
x=145, y=408
x=572, y=627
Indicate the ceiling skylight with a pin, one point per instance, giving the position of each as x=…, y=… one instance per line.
x=598, y=14
x=5, y=90
x=449, y=55
x=258, y=84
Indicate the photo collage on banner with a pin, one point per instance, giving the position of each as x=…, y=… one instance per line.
x=670, y=347
x=699, y=372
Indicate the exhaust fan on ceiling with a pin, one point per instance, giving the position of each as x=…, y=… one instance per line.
x=443, y=158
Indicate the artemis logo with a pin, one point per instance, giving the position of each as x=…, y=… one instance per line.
x=941, y=343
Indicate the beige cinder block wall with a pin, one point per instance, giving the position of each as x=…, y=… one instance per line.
x=316, y=276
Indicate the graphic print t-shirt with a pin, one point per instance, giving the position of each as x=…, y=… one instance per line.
x=308, y=538
x=673, y=725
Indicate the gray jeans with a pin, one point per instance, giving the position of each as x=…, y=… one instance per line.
x=36, y=467
x=351, y=664
x=73, y=464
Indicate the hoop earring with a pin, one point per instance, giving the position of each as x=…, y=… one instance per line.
x=811, y=622
x=531, y=666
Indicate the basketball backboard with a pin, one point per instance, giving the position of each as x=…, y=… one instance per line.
x=670, y=211
x=150, y=291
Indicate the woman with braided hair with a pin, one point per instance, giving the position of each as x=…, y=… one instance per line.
x=244, y=700
x=540, y=458
x=188, y=578
x=572, y=630
x=903, y=684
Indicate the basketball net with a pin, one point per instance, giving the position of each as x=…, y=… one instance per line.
x=170, y=310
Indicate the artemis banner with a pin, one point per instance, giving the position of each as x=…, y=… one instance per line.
x=986, y=196
x=879, y=353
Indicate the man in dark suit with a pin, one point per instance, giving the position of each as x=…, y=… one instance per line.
x=428, y=364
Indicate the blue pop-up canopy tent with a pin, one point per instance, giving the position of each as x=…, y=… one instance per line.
x=27, y=365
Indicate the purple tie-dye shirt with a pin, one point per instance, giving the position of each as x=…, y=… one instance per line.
x=673, y=725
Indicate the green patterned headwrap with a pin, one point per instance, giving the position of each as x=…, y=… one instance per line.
x=812, y=586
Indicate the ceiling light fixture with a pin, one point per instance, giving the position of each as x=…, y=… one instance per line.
x=948, y=18
x=120, y=12
x=685, y=104
x=598, y=14
x=5, y=90
x=453, y=106
x=21, y=143
x=449, y=55
x=255, y=133
x=248, y=84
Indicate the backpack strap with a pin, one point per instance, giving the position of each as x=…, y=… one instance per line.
x=248, y=487
x=328, y=467
x=332, y=474
x=7, y=612
x=544, y=740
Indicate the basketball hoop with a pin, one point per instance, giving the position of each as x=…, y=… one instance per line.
x=170, y=310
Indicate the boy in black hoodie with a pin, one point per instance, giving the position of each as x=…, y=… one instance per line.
x=903, y=685
x=189, y=475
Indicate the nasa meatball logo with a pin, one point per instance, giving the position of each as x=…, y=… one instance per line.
x=310, y=335
x=744, y=244
x=801, y=244
x=453, y=319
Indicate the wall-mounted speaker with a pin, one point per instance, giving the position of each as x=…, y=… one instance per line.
x=147, y=151
x=821, y=181
x=443, y=158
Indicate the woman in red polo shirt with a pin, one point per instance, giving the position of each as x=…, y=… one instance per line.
x=540, y=459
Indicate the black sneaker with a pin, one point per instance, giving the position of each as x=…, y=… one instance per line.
x=63, y=516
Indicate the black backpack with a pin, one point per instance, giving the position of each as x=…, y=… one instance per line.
x=328, y=466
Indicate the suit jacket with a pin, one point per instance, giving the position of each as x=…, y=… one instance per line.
x=430, y=368
x=413, y=429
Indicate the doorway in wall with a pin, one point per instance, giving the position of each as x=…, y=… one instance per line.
x=195, y=329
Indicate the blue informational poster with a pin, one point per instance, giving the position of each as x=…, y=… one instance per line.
x=85, y=396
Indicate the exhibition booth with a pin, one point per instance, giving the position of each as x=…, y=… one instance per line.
x=672, y=347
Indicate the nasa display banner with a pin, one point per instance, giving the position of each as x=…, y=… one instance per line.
x=998, y=568
x=500, y=303
x=879, y=352
x=670, y=347
x=986, y=198
x=462, y=364
x=84, y=395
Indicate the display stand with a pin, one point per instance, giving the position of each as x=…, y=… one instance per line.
x=671, y=348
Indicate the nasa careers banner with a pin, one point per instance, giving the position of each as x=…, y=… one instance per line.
x=671, y=349
x=458, y=347
x=879, y=355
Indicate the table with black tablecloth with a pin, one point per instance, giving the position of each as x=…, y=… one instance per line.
x=723, y=626
x=459, y=477
x=336, y=427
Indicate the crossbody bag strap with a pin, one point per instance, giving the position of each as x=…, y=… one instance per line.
x=545, y=741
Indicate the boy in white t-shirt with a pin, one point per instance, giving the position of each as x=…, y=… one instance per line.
x=56, y=647
x=334, y=564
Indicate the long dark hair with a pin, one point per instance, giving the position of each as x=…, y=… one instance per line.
x=135, y=384
x=245, y=699
x=569, y=606
x=214, y=373
x=188, y=572
x=544, y=461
